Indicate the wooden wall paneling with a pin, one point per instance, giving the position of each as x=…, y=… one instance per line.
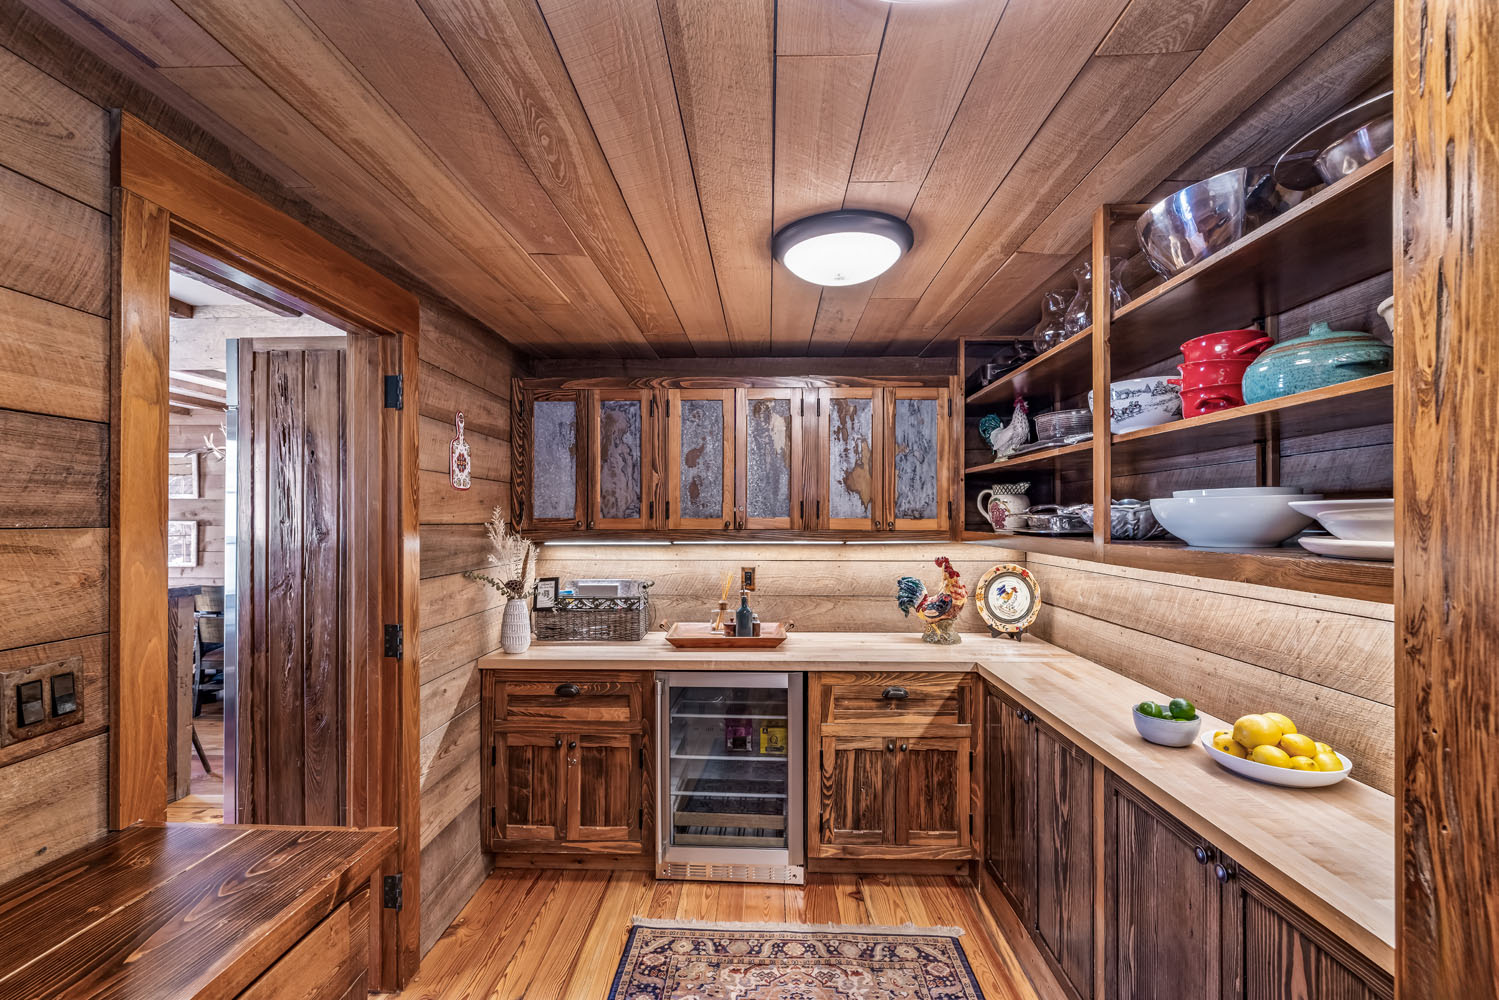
x=137, y=533
x=615, y=53
x=507, y=51
x=55, y=359
x=157, y=30
x=186, y=433
x=700, y=462
x=1149, y=26
x=723, y=62
x=809, y=27
x=67, y=244
x=55, y=473
x=489, y=455
x=40, y=823
x=838, y=310
x=1446, y=277
x=54, y=133
x=594, y=320
x=820, y=101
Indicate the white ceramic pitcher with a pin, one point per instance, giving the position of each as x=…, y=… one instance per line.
x=995, y=503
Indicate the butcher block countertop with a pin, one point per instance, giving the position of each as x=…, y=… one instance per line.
x=1329, y=850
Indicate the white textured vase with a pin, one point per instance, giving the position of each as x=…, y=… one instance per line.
x=515, y=627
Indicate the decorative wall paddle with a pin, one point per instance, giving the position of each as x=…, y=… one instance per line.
x=460, y=473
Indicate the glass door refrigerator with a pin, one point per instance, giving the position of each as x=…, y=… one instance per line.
x=729, y=798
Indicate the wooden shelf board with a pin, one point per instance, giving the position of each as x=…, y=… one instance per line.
x=1336, y=238
x=1080, y=453
x=1066, y=370
x=1359, y=403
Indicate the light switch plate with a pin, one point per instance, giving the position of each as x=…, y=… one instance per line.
x=746, y=578
x=12, y=731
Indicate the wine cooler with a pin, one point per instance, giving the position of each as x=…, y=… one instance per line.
x=730, y=804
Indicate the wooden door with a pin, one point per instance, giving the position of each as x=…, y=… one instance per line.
x=287, y=754
x=919, y=459
x=529, y=787
x=604, y=788
x=622, y=473
x=553, y=468
x=856, y=795
x=700, y=432
x=1064, y=857
x=932, y=792
x=1162, y=904
x=768, y=459
x=1010, y=798
x=850, y=424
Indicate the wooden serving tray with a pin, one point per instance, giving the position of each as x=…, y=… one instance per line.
x=700, y=635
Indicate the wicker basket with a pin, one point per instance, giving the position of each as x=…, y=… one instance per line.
x=595, y=619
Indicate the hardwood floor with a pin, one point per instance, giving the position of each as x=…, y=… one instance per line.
x=204, y=802
x=559, y=934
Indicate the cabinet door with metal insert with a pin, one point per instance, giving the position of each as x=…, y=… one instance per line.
x=622, y=462
x=769, y=459
x=919, y=466
x=553, y=468
x=700, y=459
x=850, y=438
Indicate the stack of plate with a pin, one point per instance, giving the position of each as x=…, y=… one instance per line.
x=1243, y=517
x=1364, y=529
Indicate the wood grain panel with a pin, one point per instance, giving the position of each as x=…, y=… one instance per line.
x=53, y=472
x=811, y=27
x=67, y=245
x=1152, y=26
x=442, y=504
x=453, y=644
x=445, y=393
x=452, y=548
x=53, y=359
x=489, y=456
x=51, y=133
x=594, y=317
x=40, y=824
x=332, y=960
x=452, y=597
x=157, y=30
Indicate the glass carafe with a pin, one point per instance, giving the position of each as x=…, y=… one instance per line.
x=1050, y=331
x=1079, y=315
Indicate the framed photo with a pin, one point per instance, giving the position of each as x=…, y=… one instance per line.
x=182, y=475
x=182, y=544
x=546, y=593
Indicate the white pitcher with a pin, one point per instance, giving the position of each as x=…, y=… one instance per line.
x=1009, y=502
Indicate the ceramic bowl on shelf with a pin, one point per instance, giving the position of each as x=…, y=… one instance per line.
x=1210, y=399
x=1232, y=522
x=1355, y=149
x=1204, y=374
x=1194, y=223
x=1272, y=775
x=1062, y=423
x=1226, y=345
x=1242, y=491
x=1141, y=402
x=1348, y=548
x=1386, y=310
x=1355, y=520
x=1322, y=358
x=1166, y=732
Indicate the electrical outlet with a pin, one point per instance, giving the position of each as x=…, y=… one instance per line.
x=746, y=578
x=41, y=699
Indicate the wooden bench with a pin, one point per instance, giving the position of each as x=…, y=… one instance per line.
x=196, y=911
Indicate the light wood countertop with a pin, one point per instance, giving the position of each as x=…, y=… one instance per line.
x=1329, y=850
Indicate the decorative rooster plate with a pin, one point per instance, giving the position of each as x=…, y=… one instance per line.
x=1008, y=599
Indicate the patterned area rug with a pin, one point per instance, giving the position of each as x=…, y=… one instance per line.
x=683, y=960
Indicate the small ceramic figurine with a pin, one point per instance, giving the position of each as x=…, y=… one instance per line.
x=938, y=612
x=1006, y=440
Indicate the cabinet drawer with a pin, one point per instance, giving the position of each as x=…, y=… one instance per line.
x=922, y=700
x=330, y=963
x=592, y=697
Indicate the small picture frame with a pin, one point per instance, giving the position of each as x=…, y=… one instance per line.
x=182, y=475
x=546, y=593
x=182, y=544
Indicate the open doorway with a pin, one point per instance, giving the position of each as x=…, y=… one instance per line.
x=219, y=328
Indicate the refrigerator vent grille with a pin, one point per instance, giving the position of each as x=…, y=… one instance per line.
x=709, y=872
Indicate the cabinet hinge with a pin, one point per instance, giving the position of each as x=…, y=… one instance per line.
x=491, y=817
x=395, y=392
x=653, y=406
x=668, y=510
x=642, y=758
x=395, y=641
x=801, y=510
x=819, y=406
x=949, y=510
x=391, y=892
x=494, y=755
x=651, y=514
x=668, y=408
x=949, y=406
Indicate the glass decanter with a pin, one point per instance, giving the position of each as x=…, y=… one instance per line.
x=1050, y=331
x=1079, y=314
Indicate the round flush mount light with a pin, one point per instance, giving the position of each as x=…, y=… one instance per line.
x=842, y=248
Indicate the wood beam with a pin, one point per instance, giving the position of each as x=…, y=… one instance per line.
x=181, y=310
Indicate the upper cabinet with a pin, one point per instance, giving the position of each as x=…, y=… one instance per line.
x=736, y=457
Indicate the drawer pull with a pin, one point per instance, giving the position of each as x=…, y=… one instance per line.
x=572, y=744
x=559, y=741
x=1203, y=855
x=895, y=694
x=568, y=690
x=1223, y=872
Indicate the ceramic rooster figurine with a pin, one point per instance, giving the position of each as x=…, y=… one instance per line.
x=939, y=611
x=1006, y=440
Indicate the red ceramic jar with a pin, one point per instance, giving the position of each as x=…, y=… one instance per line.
x=1210, y=399
x=1200, y=374
x=1226, y=345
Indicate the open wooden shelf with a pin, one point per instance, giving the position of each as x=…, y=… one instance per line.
x=1079, y=454
x=1359, y=403
x=1064, y=370
x=1336, y=238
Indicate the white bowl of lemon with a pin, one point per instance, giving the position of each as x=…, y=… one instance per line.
x=1266, y=747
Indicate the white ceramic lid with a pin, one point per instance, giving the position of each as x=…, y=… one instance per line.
x=1315, y=508
x=1242, y=491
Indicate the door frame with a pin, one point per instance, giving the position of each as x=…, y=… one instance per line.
x=163, y=194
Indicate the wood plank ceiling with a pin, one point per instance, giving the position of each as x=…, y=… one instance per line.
x=602, y=177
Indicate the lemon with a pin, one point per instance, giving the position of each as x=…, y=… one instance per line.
x=1272, y=755
x=1323, y=747
x=1286, y=725
x=1256, y=731
x=1298, y=745
x=1328, y=762
x=1303, y=763
x=1224, y=740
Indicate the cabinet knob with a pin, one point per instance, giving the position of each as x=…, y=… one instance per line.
x=568, y=690
x=578, y=523
x=890, y=525
x=559, y=741
x=1202, y=854
x=1223, y=872
x=572, y=744
x=890, y=746
x=895, y=694
x=902, y=748
x=726, y=525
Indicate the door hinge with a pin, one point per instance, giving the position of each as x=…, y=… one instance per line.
x=395, y=641
x=642, y=758
x=949, y=406
x=391, y=889
x=949, y=510
x=395, y=392
x=819, y=406
x=491, y=817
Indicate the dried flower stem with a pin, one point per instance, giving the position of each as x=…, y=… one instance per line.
x=513, y=558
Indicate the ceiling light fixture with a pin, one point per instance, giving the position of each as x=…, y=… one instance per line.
x=842, y=248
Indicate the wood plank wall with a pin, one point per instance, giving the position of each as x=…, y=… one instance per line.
x=185, y=432
x=1232, y=648
x=463, y=368
x=54, y=446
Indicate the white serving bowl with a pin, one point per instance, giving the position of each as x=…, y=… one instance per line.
x=1275, y=775
x=1242, y=522
x=1242, y=491
x=1141, y=402
x=1167, y=732
x=1355, y=520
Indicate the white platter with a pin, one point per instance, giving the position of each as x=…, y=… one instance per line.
x=1348, y=548
x=1274, y=775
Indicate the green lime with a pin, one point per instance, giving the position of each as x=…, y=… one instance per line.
x=1183, y=709
x=1149, y=708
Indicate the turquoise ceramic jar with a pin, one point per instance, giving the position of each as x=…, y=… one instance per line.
x=1323, y=357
